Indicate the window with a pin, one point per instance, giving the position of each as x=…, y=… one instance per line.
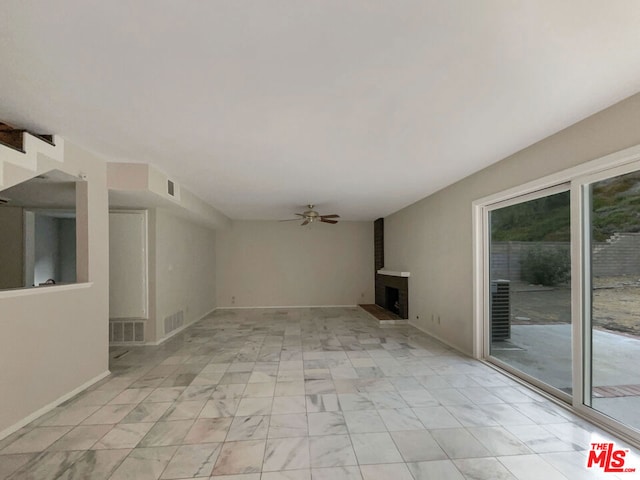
x=38, y=232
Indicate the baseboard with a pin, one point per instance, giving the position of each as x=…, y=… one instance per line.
x=178, y=330
x=288, y=306
x=129, y=344
x=171, y=334
x=442, y=340
x=47, y=408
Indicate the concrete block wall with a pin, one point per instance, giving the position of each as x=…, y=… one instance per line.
x=618, y=256
x=506, y=257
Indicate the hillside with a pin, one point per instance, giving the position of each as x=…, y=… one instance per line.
x=616, y=208
x=616, y=205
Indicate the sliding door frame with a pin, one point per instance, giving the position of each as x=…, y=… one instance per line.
x=578, y=179
x=487, y=210
x=582, y=185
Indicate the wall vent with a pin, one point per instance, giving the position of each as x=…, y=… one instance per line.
x=170, y=188
x=126, y=331
x=173, y=321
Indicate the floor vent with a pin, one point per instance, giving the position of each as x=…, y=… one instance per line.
x=126, y=331
x=173, y=321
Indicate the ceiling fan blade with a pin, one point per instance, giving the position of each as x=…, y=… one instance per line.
x=290, y=220
x=299, y=214
x=328, y=221
x=304, y=223
x=330, y=216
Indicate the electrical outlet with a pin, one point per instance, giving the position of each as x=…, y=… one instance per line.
x=233, y=300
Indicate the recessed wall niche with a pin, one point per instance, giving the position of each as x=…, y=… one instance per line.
x=38, y=232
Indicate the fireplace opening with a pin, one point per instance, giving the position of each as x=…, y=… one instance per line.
x=392, y=300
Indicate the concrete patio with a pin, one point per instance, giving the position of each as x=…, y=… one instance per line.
x=544, y=352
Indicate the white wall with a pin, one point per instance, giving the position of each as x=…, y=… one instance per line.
x=184, y=268
x=128, y=265
x=263, y=263
x=433, y=237
x=55, y=339
x=137, y=178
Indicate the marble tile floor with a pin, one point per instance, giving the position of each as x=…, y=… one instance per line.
x=303, y=394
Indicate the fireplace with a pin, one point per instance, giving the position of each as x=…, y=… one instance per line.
x=392, y=293
x=391, y=287
x=392, y=300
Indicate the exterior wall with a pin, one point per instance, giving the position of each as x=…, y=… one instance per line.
x=506, y=257
x=619, y=256
x=433, y=237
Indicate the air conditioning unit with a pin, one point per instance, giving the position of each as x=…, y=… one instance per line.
x=500, y=310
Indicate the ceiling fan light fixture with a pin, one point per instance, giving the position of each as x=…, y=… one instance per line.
x=311, y=216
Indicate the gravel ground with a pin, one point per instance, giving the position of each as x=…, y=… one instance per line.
x=616, y=304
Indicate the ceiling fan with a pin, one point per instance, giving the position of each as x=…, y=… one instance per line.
x=311, y=216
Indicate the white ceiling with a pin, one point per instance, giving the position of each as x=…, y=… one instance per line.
x=51, y=190
x=361, y=107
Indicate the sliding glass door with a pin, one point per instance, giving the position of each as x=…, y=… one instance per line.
x=560, y=296
x=612, y=295
x=529, y=288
